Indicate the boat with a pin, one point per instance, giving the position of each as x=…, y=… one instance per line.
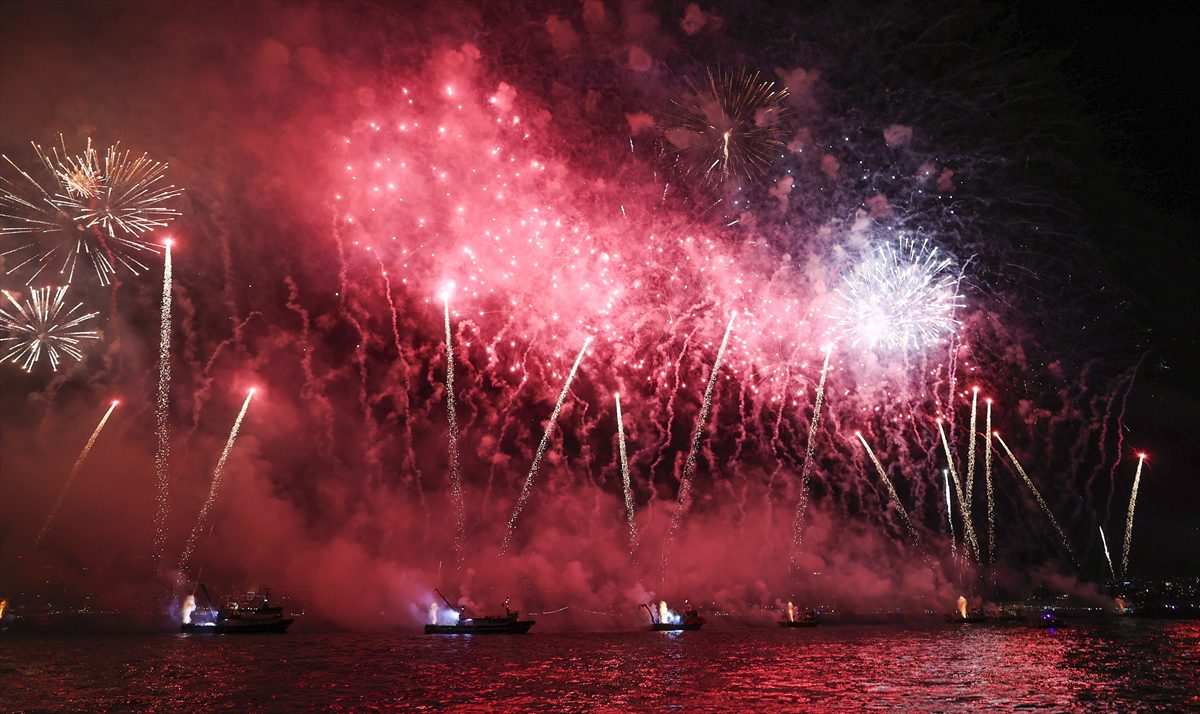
x=508, y=624
x=252, y=615
x=691, y=620
x=808, y=618
x=959, y=618
x=1048, y=621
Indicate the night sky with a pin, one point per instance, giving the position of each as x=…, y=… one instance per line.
x=346, y=166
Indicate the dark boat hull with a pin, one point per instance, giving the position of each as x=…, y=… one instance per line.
x=667, y=627
x=277, y=626
x=799, y=623
x=957, y=620
x=517, y=627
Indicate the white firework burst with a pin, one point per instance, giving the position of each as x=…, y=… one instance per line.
x=43, y=326
x=902, y=295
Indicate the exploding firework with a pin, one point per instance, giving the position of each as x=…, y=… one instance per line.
x=629, y=516
x=212, y=489
x=456, y=491
x=162, y=449
x=1137, y=480
x=1041, y=501
x=43, y=327
x=87, y=448
x=728, y=124
x=689, y=468
x=901, y=296
x=98, y=210
x=537, y=459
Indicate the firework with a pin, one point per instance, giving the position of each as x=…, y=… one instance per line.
x=625, y=479
x=541, y=451
x=912, y=531
x=689, y=467
x=456, y=490
x=1041, y=501
x=971, y=450
x=1137, y=480
x=806, y=469
x=98, y=210
x=898, y=297
x=162, y=449
x=968, y=529
x=950, y=516
x=728, y=124
x=212, y=489
x=43, y=327
x=1107, y=556
x=987, y=477
x=87, y=448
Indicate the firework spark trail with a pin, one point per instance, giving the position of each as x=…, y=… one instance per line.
x=1041, y=501
x=971, y=451
x=541, y=451
x=689, y=467
x=162, y=451
x=456, y=489
x=912, y=531
x=806, y=469
x=212, y=489
x=950, y=517
x=1107, y=556
x=1137, y=479
x=987, y=476
x=968, y=529
x=629, y=516
x=87, y=448
x=43, y=326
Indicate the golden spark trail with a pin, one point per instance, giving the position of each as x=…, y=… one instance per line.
x=968, y=530
x=1041, y=501
x=1137, y=479
x=541, y=451
x=162, y=451
x=912, y=531
x=689, y=467
x=625, y=480
x=212, y=489
x=802, y=506
x=950, y=517
x=1107, y=555
x=74, y=472
x=970, y=492
x=987, y=475
x=456, y=489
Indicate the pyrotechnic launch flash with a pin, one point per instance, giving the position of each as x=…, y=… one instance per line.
x=1107, y=556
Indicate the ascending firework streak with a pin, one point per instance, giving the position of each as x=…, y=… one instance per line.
x=987, y=475
x=625, y=479
x=1137, y=479
x=970, y=492
x=1041, y=501
x=689, y=467
x=1107, y=555
x=968, y=529
x=541, y=451
x=162, y=450
x=950, y=517
x=456, y=491
x=806, y=469
x=912, y=531
x=212, y=489
x=74, y=472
